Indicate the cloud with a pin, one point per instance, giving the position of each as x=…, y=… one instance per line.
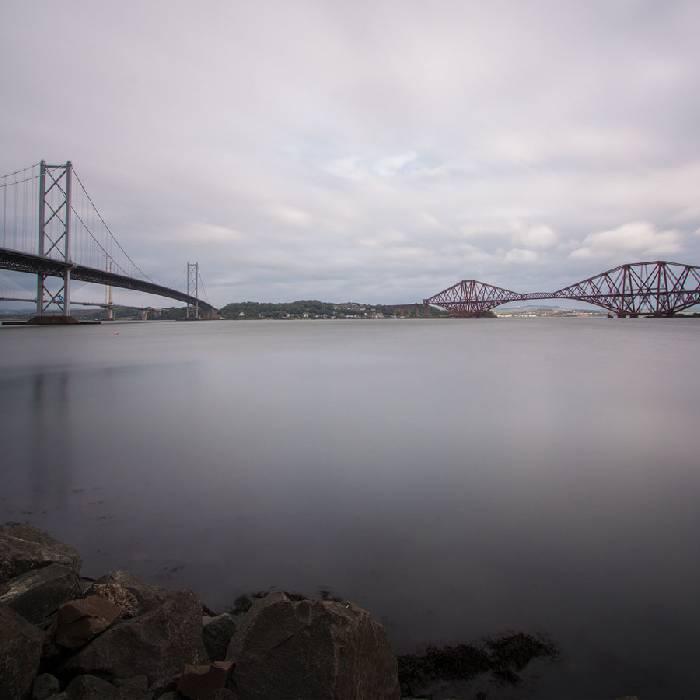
x=639, y=237
x=211, y=233
x=521, y=255
x=349, y=167
x=538, y=236
x=292, y=216
x=371, y=152
x=363, y=168
x=392, y=165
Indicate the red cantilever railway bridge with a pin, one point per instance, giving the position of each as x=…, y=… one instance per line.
x=645, y=288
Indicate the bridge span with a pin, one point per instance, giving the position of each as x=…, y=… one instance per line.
x=658, y=288
x=53, y=229
x=28, y=262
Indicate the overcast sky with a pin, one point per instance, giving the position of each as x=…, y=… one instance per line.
x=373, y=151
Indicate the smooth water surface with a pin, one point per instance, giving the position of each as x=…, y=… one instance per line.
x=457, y=478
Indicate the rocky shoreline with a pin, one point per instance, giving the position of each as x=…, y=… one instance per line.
x=63, y=637
x=66, y=637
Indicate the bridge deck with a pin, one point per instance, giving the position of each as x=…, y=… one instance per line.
x=27, y=262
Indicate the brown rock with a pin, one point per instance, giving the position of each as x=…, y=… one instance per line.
x=81, y=620
x=23, y=548
x=38, y=593
x=127, y=592
x=20, y=651
x=118, y=596
x=201, y=682
x=157, y=644
x=312, y=649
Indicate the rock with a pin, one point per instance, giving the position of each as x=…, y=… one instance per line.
x=91, y=688
x=88, y=687
x=81, y=620
x=20, y=652
x=201, y=682
x=312, y=649
x=235, y=647
x=37, y=593
x=157, y=644
x=136, y=683
x=117, y=595
x=133, y=596
x=59, y=696
x=217, y=632
x=86, y=584
x=23, y=548
x=45, y=686
x=224, y=694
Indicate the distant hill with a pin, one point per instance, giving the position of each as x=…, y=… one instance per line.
x=255, y=310
x=312, y=308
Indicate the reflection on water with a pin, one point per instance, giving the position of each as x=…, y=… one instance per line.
x=456, y=478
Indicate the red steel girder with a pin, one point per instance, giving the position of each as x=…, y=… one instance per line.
x=658, y=288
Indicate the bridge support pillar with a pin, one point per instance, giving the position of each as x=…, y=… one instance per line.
x=193, y=290
x=54, y=233
x=108, y=290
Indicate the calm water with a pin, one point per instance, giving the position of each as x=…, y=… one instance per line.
x=457, y=478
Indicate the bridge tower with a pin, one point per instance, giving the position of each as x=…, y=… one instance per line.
x=193, y=289
x=54, y=232
x=108, y=290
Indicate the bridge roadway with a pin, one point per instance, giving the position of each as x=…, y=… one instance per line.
x=28, y=262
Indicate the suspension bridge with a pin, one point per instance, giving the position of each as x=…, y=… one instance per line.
x=52, y=228
x=656, y=288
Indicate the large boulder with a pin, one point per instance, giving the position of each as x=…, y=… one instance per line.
x=37, y=593
x=23, y=548
x=81, y=620
x=217, y=632
x=20, y=652
x=157, y=644
x=313, y=649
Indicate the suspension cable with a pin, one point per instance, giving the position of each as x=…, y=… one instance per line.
x=204, y=288
x=114, y=262
x=21, y=170
x=104, y=223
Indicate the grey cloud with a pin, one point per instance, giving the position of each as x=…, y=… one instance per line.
x=375, y=151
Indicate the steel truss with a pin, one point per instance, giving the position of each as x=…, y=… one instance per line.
x=645, y=288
